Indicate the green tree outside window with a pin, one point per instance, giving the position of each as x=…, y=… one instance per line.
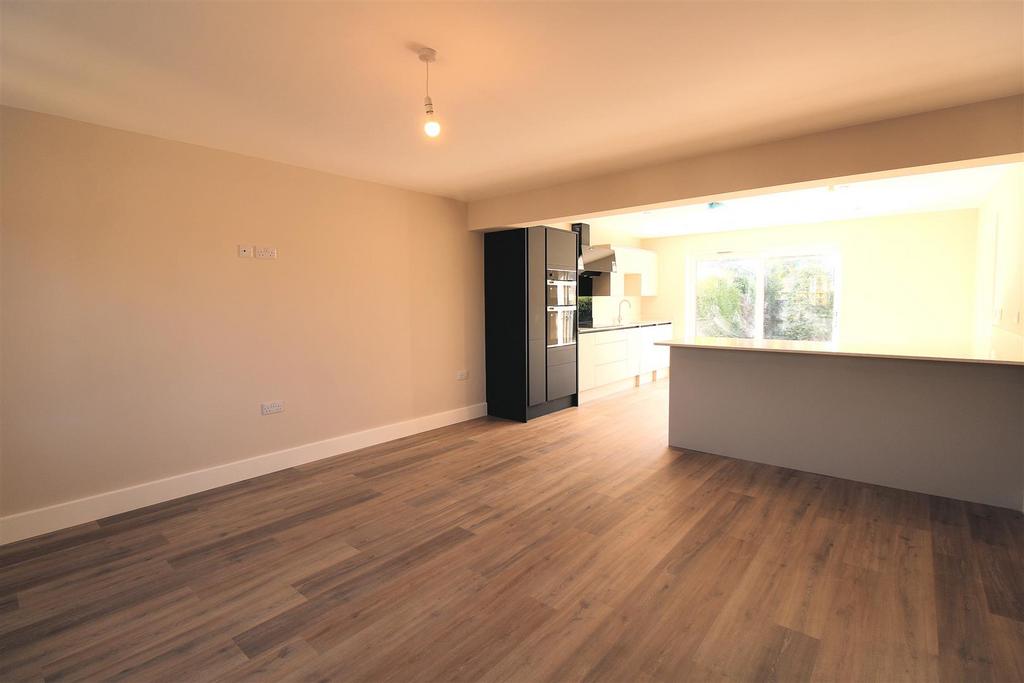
x=726, y=299
x=798, y=295
x=799, y=298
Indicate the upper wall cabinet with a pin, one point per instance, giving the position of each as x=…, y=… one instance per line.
x=562, y=249
x=637, y=274
x=648, y=272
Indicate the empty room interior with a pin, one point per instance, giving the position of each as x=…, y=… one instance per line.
x=549, y=341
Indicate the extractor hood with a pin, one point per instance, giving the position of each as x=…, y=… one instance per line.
x=594, y=260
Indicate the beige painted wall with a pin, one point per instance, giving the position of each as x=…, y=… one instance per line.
x=906, y=281
x=137, y=345
x=602, y=234
x=973, y=131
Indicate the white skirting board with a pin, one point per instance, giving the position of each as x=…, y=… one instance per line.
x=62, y=515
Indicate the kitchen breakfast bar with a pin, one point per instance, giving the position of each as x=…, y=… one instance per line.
x=951, y=426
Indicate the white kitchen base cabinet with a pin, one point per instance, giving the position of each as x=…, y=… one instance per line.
x=607, y=357
x=654, y=357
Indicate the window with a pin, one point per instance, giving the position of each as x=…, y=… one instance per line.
x=766, y=296
x=726, y=298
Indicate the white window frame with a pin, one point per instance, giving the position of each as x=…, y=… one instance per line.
x=759, y=257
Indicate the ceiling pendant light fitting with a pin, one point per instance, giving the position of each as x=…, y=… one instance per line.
x=431, y=126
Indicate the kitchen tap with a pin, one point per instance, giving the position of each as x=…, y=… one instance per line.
x=624, y=301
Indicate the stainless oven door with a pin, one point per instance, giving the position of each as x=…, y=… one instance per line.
x=561, y=325
x=561, y=293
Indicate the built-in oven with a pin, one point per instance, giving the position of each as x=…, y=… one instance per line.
x=561, y=286
x=561, y=325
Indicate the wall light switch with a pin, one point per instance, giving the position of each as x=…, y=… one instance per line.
x=244, y=251
x=266, y=252
x=462, y=375
x=271, y=407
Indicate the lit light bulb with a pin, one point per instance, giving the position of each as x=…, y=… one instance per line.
x=431, y=127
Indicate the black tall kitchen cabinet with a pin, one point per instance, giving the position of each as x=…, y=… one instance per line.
x=527, y=376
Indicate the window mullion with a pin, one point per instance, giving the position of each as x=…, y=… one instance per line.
x=759, y=301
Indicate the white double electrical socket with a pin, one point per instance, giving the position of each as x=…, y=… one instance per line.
x=271, y=407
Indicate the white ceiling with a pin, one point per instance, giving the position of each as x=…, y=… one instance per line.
x=530, y=94
x=941, y=191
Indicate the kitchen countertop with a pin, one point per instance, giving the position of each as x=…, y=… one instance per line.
x=624, y=326
x=827, y=349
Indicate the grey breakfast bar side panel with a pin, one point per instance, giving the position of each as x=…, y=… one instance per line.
x=948, y=429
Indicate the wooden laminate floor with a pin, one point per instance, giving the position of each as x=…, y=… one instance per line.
x=576, y=547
